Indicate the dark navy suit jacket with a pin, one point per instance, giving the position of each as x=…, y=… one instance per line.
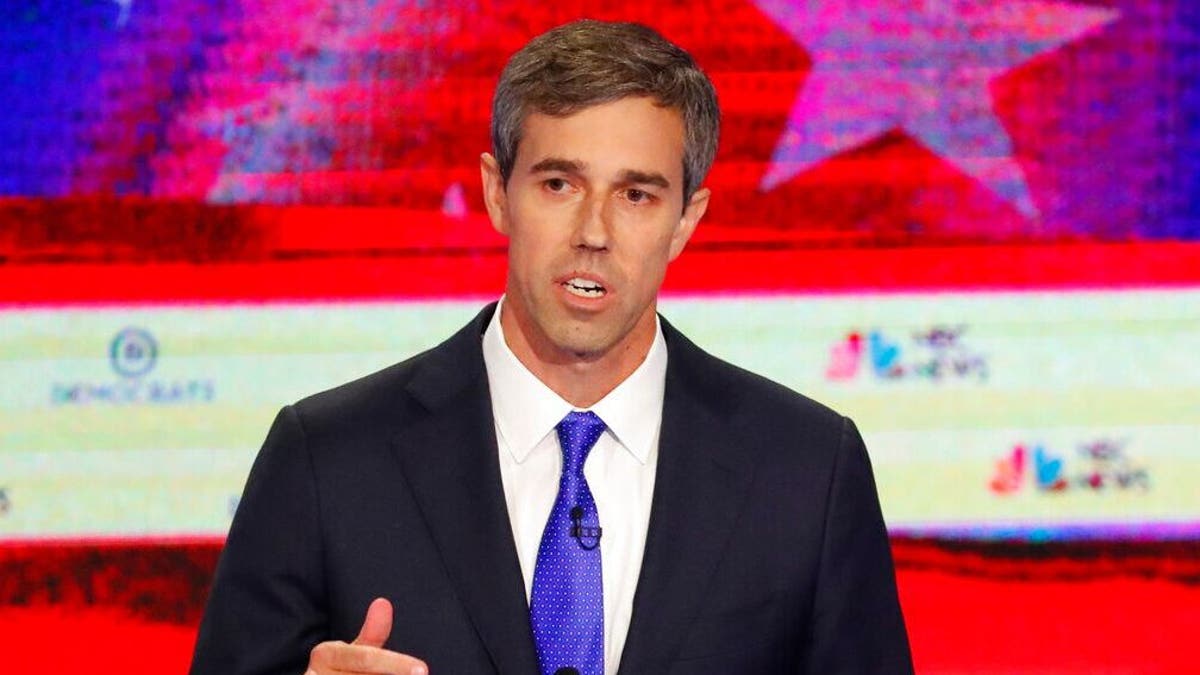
x=766, y=550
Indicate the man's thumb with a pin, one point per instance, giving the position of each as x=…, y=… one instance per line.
x=378, y=624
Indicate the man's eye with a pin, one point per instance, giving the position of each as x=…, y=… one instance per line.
x=637, y=196
x=556, y=184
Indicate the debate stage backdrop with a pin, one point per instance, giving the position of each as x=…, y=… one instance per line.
x=972, y=226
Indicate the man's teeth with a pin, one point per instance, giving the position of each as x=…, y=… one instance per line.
x=584, y=288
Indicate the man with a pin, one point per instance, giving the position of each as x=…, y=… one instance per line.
x=567, y=485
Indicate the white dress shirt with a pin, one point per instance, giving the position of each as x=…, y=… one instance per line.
x=620, y=468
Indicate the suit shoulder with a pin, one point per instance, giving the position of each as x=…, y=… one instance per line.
x=747, y=392
x=752, y=391
x=388, y=381
x=762, y=422
x=391, y=396
x=379, y=399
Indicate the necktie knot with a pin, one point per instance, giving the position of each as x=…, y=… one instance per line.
x=577, y=434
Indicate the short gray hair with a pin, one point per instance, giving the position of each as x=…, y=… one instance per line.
x=587, y=62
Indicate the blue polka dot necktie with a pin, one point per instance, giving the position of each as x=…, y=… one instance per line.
x=566, y=606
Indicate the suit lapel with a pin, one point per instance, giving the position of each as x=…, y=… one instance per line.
x=698, y=491
x=450, y=463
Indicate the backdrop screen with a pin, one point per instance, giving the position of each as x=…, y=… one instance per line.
x=974, y=227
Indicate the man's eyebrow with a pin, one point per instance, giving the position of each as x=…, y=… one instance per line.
x=627, y=177
x=557, y=164
x=633, y=176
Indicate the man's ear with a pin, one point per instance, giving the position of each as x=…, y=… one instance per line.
x=494, y=196
x=692, y=213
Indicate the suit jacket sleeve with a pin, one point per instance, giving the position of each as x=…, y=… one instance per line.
x=857, y=625
x=265, y=609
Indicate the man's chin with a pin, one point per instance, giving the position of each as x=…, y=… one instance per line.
x=584, y=351
x=590, y=341
x=581, y=343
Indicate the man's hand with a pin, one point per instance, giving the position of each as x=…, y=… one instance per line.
x=366, y=654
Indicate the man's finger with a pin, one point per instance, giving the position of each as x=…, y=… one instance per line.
x=363, y=659
x=377, y=626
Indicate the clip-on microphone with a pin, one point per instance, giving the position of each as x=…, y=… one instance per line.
x=579, y=532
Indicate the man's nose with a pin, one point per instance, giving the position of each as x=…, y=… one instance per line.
x=593, y=230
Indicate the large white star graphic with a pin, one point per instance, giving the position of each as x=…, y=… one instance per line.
x=125, y=6
x=921, y=66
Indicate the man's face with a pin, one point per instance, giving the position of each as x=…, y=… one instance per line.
x=594, y=212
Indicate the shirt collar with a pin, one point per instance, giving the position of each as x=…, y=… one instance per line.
x=526, y=410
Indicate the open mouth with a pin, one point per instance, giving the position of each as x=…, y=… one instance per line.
x=584, y=288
